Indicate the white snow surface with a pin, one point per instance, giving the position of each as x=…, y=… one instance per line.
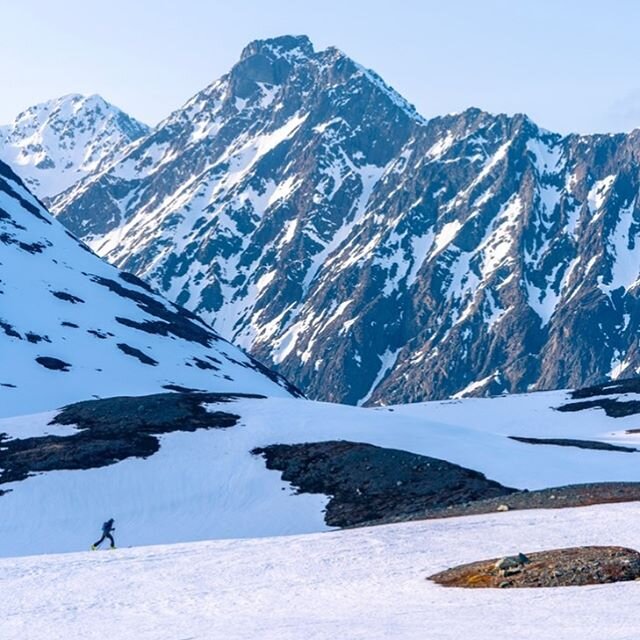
x=207, y=484
x=358, y=584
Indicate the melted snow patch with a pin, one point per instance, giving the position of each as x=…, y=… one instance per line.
x=289, y=233
x=283, y=190
x=265, y=280
x=618, y=366
x=542, y=301
x=495, y=248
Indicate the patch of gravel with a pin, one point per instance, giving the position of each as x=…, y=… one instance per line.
x=576, y=495
x=575, y=566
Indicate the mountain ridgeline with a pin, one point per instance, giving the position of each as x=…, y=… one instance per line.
x=310, y=214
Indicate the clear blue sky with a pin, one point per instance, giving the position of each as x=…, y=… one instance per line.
x=569, y=64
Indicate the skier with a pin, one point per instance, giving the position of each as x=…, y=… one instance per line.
x=107, y=528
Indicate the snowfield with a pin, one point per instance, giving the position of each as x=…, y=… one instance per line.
x=365, y=583
x=206, y=484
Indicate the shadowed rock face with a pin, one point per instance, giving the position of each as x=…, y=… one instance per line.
x=112, y=430
x=368, y=254
x=369, y=484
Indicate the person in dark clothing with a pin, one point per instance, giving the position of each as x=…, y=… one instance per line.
x=107, y=528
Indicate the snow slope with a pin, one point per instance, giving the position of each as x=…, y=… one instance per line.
x=73, y=327
x=207, y=484
x=529, y=414
x=365, y=583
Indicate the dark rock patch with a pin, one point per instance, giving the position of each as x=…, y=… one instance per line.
x=154, y=327
x=576, y=495
x=6, y=218
x=373, y=484
x=35, y=338
x=580, y=444
x=6, y=188
x=630, y=385
x=203, y=364
x=8, y=385
x=612, y=407
x=181, y=323
x=113, y=429
x=55, y=364
x=29, y=247
x=130, y=278
x=73, y=325
x=136, y=353
x=67, y=297
x=180, y=389
x=9, y=330
x=32, y=247
x=99, y=334
x=576, y=566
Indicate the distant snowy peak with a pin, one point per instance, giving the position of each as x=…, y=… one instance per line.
x=54, y=144
x=73, y=327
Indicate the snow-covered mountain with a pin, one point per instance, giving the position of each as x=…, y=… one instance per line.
x=309, y=213
x=179, y=467
x=73, y=327
x=54, y=144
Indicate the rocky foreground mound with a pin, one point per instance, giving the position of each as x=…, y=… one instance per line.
x=577, y=566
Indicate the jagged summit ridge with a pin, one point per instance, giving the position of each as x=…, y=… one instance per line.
x=312, y=216
x=288, y=47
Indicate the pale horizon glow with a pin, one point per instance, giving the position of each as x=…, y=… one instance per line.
x=568, y=65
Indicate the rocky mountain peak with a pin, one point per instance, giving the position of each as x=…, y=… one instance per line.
x=54, y=144
x=290, y=48
x=269, y=62
x=307, y=210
